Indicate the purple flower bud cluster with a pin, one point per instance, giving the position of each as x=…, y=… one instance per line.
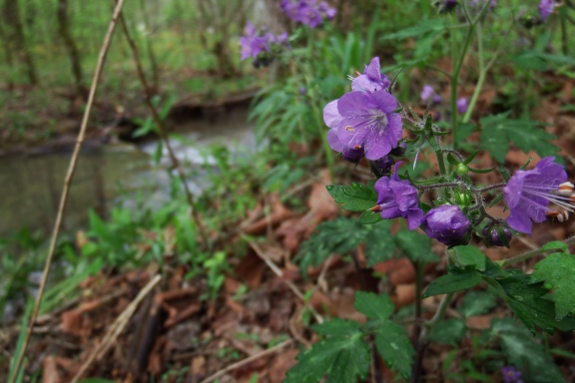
x=255, y=42
x=308, y=12
x=511, y=375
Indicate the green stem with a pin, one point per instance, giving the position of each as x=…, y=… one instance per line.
x=438, y=317
x=482, y=73
x=457, y=64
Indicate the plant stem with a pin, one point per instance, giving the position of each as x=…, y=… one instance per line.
x=163, y=134
x=531, y=254
x=440, y=311
x=67, y=182
x=482, y=73
x=418, y=279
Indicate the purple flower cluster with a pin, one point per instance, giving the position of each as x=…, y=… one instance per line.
x=511, y=375
x=255, y=42
x=528, y=193
x=308, y=12
x=364, y=121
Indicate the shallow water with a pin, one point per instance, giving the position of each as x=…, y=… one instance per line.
x=30, y=186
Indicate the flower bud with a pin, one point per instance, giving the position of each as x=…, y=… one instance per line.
x=462, y=198
x=399, y=150
x=448, y=225
x=352, y=155
x=382, y=166
x=492, y=235
x=462, y=169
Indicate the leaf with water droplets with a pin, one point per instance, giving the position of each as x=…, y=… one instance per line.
x=456, y=280
x=557, y=271
x=343, y=357
x=450, y=331
x=355, y=197
x=393, y=345
x=374, y=306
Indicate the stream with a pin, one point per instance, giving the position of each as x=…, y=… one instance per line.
x=31, y=185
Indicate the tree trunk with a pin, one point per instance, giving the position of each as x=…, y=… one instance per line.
x=11, y=15
x=71, y=48
x=9, y=57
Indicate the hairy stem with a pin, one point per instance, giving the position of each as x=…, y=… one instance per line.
x=531, y=254
x=67, y=183
x=438, y=317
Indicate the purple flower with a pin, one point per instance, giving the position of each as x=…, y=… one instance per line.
x=372, y=79
x=397, y=198
x=546, y=8
x=368, y=122
x=528, y=192
x=448, y=225
x=511, y=374
x=382, y=166
x=428, y=94
x=252, y=44
x=310, y=16
x=462, y=105
x=448, y=5
x=326, y=11
x=332, y=119
x=492, y=235
x=307, y=12
x=302, y=90
x=399, y=150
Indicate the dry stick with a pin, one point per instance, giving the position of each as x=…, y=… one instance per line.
x=232, y=367
x=277, y=271
x=162, y=131
x=67, y=182
x=117, y=327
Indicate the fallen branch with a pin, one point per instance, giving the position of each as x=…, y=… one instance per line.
x=117, y=327
x=241, y=363
x=277, y=271
x=67, y=183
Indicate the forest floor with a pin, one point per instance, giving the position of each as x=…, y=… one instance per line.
x=260, y=320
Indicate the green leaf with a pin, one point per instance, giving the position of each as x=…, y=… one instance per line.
x=342, y=357
x=499, y=131
x=556, y=245
x=337, y=326
x=450, y=331
x=477, y=303
x=558, y=272
x=416, y=246
x=374, y=306
x=456, y=280
x=524, y=353
x=423, y=27
x=339, y=236
x=355, y=197
x=370, y=217
x=525, y=299
x=470, y=256
x=395, y=348
x=379, y=244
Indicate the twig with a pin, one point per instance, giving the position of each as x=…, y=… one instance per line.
x=67, y=182
x=117, y=327
x=277, y=271
x=232, y=367
x=162, y=132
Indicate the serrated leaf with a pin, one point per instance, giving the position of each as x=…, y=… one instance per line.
x=338, y=236
x=470, y=256
x=336, y=326
x=355, y=197
x=525, y=300
x=558, y=272
x=499, y=131
x=394, y=346
x=524, y=353
x=456, y=280
x=379, y=244
x=477, y=303
x=416, y=246
x=343, y=358
x=369, y=217
x=450, y=331
x=374, y=306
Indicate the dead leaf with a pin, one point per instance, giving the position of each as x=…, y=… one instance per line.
x=197, y=369
x=281, y=364
x=251, y=269
x=73, y=322
x=402, y=273
x=50, y=370
x=404, y=295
